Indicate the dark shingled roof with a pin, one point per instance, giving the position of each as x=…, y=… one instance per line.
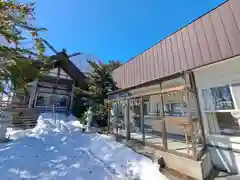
x=61, y=60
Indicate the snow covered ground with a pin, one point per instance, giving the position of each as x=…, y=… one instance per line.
x=56, y=149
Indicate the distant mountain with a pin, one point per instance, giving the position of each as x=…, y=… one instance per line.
x=81, y=61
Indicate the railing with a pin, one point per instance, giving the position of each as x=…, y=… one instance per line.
x=54, y=117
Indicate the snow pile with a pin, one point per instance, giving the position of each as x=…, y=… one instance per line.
x=56, y=149
x=121, y=160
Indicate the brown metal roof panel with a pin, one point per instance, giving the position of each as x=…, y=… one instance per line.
x=177, y=64
x=138, y=60
x=145, y=67
x=136, y=65
x=156, y=62
x=119, y=78
x=148, y=66
x=164, y=58
x=211, y=38
x=232, y=31
x=235, y=6
x=142, y=70
x=188, y=49
x=134, y=82
x=151, y=64
x=126, y=77
x=139, y=69
x=202, y=40
x=132, y=68
x=128, y=74
x=123, y=77
x=170, y=56
x=161, y=60
x=131, y=74
x=197, y=55
x=159, y=68
x=182, y=52
x=221, y=35
x=138, y=78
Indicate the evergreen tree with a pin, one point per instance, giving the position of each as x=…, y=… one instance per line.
x=100, y=83
x=18, y=60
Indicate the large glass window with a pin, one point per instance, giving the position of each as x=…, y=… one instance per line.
x=181, y=118
x=120, y=108
x=175, y=109
x=170, y=114
x=221, y=109
x=218, y=98
x=48, y=100
x=117, y=118
x=134, y=119
x=152, y=105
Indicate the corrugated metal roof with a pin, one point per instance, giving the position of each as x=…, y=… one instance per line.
x=211, y=38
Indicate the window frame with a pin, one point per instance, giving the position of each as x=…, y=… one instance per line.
x=232, y=96
x=209, y=133
x=46, y=95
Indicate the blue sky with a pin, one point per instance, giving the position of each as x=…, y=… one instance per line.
x=115, y=29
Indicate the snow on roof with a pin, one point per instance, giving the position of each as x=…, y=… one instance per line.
x=81, y=61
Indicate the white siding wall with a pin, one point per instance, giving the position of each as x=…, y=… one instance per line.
x=221, y=73
x=63, y=74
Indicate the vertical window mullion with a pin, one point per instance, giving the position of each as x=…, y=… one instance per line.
x=233, y=97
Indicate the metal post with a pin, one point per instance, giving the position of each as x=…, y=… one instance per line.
x=187, y=100
x=193, y=85
x=126, y=120
x=72, y=96
x=164, y=131
x=53, y=113
x=142, y=118
x=117, y=119
x=109, y=117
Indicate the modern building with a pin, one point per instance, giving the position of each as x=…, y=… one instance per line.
x=182, y=96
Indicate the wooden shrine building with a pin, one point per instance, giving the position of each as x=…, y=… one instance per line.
x=55, y=90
